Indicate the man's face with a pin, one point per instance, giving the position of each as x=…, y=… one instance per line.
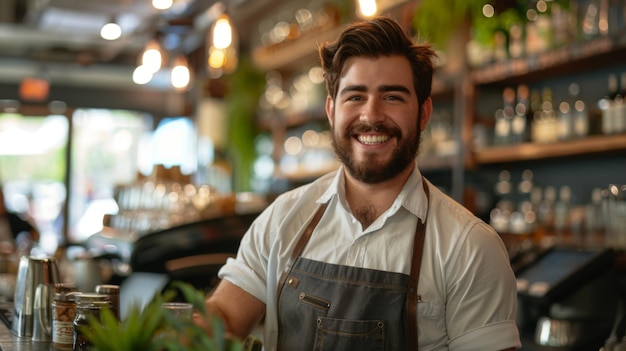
x=374, y=118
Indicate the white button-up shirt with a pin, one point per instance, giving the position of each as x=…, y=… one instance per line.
x=467, y=288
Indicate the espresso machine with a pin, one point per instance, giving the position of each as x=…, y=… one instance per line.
x=568, y=299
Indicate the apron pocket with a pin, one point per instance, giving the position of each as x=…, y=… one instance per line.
x=314, y=301
x=347, y=334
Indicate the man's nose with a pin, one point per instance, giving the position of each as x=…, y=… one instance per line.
x=372, y=112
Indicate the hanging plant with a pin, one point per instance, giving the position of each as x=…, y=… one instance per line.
x=245, y=87
x=436, y=20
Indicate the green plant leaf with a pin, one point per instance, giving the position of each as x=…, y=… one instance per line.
x=153, y=329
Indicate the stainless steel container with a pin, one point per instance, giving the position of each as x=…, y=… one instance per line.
x=556, y=332
x=32, y=272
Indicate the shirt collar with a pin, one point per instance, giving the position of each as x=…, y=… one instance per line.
x=411, y=197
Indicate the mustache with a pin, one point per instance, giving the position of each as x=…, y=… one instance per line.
x=361, y=128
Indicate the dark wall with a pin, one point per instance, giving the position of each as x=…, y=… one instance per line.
x=158, y=103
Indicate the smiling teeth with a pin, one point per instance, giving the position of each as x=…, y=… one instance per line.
x=373, y=139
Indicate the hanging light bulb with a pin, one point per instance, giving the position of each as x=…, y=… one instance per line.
x=142, y=75
x=152, y=57
x=367, y=8
x=111, y=30
x=180, y=75
x=222, y=32
x=223, y=51
x=162, y=4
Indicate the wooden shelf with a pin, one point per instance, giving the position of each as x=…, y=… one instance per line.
x=292, y=54
x=570, y=59
x=533, y=151
x=437, y=163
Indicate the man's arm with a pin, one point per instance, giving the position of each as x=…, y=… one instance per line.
x=240, y=311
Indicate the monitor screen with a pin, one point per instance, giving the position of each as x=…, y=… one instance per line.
x=555, y=268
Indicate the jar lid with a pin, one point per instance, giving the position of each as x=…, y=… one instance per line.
x=90, y=297
x=94, y=305
x=107, y=289
x=64, y=287
x=65, y=296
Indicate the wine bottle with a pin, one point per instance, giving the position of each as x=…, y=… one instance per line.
x=607, y=106
x=519, y=124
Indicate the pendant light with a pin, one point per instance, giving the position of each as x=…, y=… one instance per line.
x=222, y=52
x=367, y=8
x=180, y=75
x=111, y=30
x=153, y=56
x=222, y=32
x=162, y=4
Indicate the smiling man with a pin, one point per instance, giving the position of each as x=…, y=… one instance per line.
x=372, y=256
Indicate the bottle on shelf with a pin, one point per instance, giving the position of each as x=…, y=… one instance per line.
x=590, y=20
x=538, y=28
x=562, y=34
x=594, y=219
x=516, y=41
x=607, y=106
x=561, y=213
x=546, y=213
x=504, y=118
x=544, y=128
x=500, y=216
x=619, y=106
x=519, y=124
x=580, y=115
x=565, y=121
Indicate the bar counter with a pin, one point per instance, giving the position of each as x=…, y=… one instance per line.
x=10, y=342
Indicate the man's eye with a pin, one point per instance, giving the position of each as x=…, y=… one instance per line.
x=393, y=97
x=355, y=98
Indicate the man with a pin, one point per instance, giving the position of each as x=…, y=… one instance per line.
x=11, y=225
x=335, y=265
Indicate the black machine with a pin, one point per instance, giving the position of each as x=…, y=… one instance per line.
x=191, y=252
x=568, y=299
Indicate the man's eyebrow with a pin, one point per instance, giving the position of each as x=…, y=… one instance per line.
x=399, y=88
x=382, y=88
x=349, y=88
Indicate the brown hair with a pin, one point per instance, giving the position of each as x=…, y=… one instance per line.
x=381, y=36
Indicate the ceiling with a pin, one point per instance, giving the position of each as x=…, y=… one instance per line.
x=60, y=38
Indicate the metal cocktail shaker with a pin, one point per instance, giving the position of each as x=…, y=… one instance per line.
x=32, y=272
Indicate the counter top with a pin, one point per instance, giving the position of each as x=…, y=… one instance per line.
x=10, y=342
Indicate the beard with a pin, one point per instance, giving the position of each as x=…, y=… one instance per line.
x=370, y=170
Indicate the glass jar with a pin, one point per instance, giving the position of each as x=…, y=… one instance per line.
x=64, y=312
x=113, y=291
x=88, y=306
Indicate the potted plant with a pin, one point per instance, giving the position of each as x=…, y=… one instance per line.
x=152, y=328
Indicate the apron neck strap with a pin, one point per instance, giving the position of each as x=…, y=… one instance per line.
x=412, y=297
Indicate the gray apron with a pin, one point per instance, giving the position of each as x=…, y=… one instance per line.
x=324, y=306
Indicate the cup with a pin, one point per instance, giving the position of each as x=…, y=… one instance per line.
x=181, y=310
x=32, y=272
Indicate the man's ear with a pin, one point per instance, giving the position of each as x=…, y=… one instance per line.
x=427, y=110
x=330, y=109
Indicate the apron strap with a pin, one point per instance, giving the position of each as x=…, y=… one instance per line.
x=304, y=239
x=412, y=297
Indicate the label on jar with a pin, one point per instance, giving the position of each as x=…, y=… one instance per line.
x=63, y=324
x=62, y=333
